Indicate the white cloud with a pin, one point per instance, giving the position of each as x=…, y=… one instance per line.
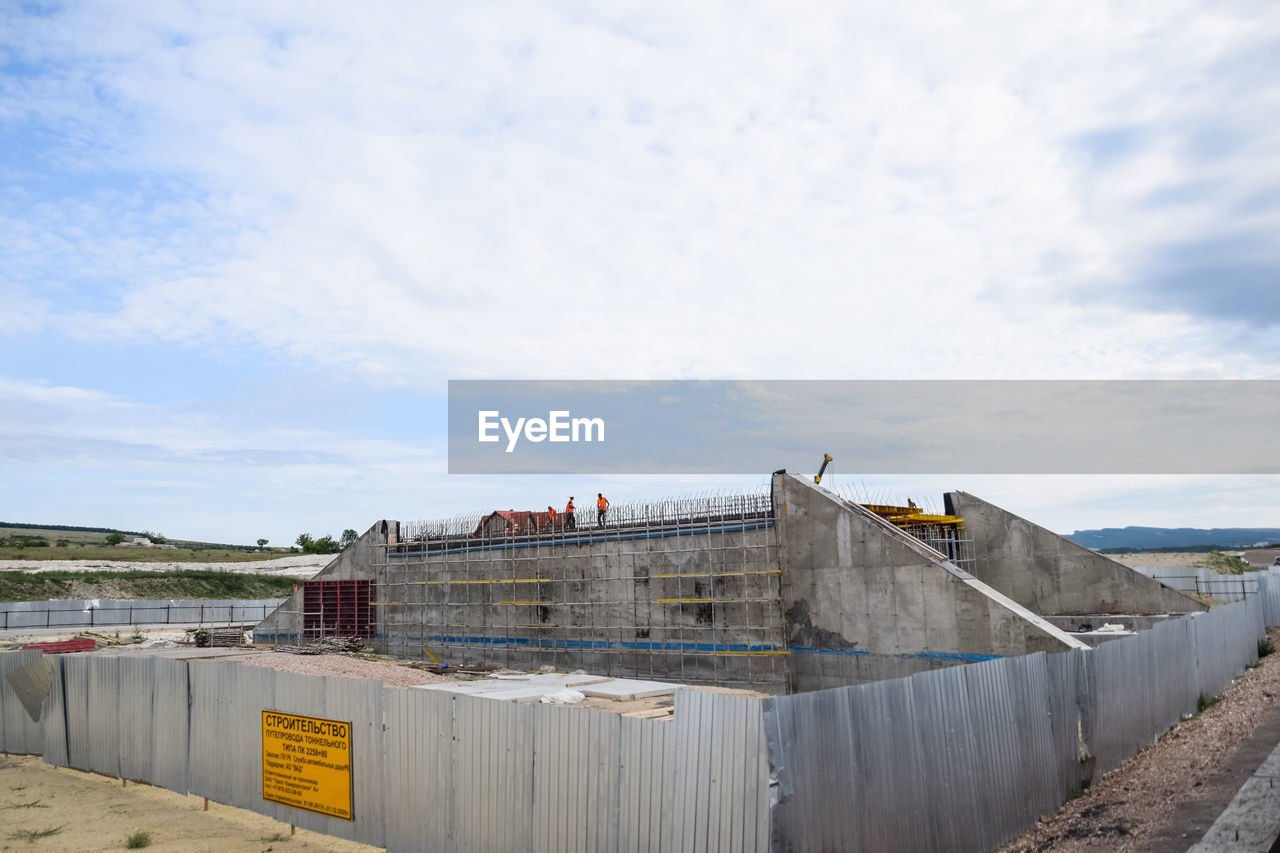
x=493, y=190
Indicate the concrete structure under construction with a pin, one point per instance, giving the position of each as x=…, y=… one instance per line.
x=1055, y=577
x=793, y=590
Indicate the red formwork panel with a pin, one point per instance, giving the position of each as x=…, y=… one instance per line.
x=338, y=608
x=56, y=647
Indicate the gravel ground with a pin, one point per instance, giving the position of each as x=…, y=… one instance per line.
x=299, y=566
x=1130, y=803
x=390, y=674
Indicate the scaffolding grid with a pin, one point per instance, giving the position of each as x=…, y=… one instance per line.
x=685, y=589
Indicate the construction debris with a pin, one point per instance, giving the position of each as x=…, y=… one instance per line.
x=219, y=637
x=325, y=645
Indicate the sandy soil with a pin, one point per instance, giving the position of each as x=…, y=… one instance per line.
x=87, y=812
x=1134, y=802
x=298, y=566
x=1156, y=559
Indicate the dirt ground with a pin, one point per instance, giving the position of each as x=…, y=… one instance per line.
x=48, y=808
x=1162, y=560
x=298, y=566
x=1168, y=795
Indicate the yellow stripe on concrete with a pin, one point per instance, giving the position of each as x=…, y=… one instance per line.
x=717, y=574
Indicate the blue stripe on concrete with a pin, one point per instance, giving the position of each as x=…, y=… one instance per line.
x=972, y=658
x=642, y=646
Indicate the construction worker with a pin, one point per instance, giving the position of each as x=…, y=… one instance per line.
x=551, y=519
x=602, y=506
x=569, y=523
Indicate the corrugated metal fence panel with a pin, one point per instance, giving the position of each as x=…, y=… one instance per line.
x=102, y=719
x=53, y=723
x=646, y=749
x=354, y=700
x=225, y=757
x=170, y=730
x=1065, y=698
x=19, y=734
x=711, y=735
x=75, y=685
x=1022, y=782
x=494, y=768
x=942, y=727
x=137, y=719
x=1119, y=692
x=418, y=770
x=555, y=789
x=1269, y=592
x=221, y=732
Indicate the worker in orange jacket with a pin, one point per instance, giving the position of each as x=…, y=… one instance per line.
x=551, y=518
x=602, y=506
x=569, y=522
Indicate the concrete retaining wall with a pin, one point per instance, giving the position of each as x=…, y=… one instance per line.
x=1051, y=575
x=870, y=600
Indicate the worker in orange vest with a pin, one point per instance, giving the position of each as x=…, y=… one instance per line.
x=551, y=518
x=569, y=522
x=602, y=506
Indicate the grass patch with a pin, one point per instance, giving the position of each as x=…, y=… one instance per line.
x=1225, y=564
x=33, y=835
x=1265, y=647
x=192, y=583
x=137, y=840
x=1205, y=702
x=1075, y=793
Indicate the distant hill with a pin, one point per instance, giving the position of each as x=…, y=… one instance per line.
x=1172, y=538
x=67, y=527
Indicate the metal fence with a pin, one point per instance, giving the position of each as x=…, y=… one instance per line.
x=432, y=770
x=1206, y=582
x=957, y=759
x=967, y=758
x=106, y=613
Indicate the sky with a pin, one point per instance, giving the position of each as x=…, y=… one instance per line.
x=244, y=246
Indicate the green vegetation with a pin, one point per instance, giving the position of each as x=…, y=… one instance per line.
x=194, y=583
x=33, y=835
x=139, y=839
x=24, y=541
x=323, y=545
x=1206, y=702
x=1225, y=564
x=1265, y=647
x=18, y=542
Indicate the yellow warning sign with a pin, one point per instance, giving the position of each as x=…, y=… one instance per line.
x=306, y=763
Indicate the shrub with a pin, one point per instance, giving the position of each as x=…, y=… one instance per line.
x=139, y=839
x=1265, y=647
x=1205, y=702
